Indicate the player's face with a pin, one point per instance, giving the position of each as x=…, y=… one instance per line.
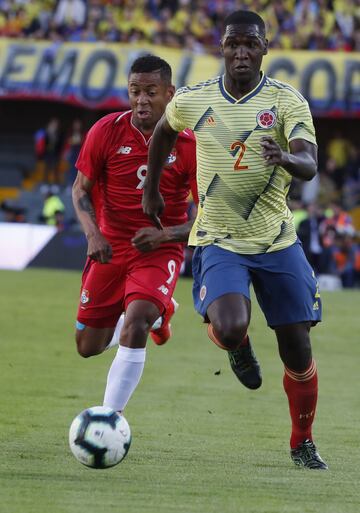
x=148, y=95
x=243, y=47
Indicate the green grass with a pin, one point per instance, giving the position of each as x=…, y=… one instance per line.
x=201, y=442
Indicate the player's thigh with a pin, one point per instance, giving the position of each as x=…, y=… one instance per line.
x=101, y=298
x=221, y=284
x=286, y=287
x=152, y=276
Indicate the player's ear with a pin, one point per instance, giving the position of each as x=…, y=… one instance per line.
x=221, y=47
x=171, y=91
x=266, y=45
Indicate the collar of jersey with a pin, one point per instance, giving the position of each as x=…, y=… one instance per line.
x=245, y=98
x=136, y=130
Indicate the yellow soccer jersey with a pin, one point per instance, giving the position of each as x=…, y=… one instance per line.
x=242, y=202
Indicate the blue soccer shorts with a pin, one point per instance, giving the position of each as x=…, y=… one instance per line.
x=284, y=282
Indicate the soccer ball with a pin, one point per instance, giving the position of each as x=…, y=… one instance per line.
x=99, y=437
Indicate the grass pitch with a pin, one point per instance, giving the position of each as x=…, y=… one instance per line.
x=201, y=442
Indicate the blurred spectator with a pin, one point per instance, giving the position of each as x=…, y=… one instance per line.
x=49, y=145
x=70, y=12
x=13, y=213
x=53, y=212
x=299, y=211
x=309, y=234
x=73, y=145
x=338, y=219
x=351, y=188
x=346, y=254
x=338, y=149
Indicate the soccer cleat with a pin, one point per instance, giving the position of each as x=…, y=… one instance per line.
x=162, y=334
x=306, y=455
x=245, y=366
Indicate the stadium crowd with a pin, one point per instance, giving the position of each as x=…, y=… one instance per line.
x=196, y=24
x=322, y=212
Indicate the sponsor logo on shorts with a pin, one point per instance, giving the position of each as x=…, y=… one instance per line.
x=203, y=292
x=266, y=118
x=84, y=298
x=316, y=305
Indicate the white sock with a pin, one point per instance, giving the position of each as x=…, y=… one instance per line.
x=123, y=377
x=116, y=336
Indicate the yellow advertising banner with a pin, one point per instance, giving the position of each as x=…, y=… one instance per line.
x=95, y=74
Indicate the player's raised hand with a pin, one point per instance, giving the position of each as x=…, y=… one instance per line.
x=271, y=151
x=148, y=239
x=153, y=206
x=98, y=248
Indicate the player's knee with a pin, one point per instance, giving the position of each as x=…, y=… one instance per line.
x=135, y=331
x=230, y=334
x=84, y=347
x=84, y=350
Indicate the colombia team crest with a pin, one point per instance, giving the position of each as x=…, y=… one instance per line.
x=266, y=118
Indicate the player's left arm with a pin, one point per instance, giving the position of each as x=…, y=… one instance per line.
x=300, y=161
x=150, y=238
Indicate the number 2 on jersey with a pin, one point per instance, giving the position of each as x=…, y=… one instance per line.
x=238, y=145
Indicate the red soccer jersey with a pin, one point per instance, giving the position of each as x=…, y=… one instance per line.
x=114, y=155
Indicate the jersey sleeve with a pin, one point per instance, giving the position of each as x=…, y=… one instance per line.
x=298, y=122
x=91, y=158
x=175, y=115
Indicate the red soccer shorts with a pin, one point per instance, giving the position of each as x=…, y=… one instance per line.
x=107, y=289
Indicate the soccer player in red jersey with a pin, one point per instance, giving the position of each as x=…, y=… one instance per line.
x=132, y=267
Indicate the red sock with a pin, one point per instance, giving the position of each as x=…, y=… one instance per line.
x=301, y=389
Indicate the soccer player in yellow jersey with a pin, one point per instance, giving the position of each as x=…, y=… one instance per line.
x=253, y=134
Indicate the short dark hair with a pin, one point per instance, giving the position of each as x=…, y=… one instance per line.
x=149, y=63
x=245, y=18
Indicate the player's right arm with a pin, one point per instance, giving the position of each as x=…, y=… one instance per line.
x=99, y=248
x=162, y=142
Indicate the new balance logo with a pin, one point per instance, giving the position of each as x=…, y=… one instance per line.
x=210, y=121
x=125, y=150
